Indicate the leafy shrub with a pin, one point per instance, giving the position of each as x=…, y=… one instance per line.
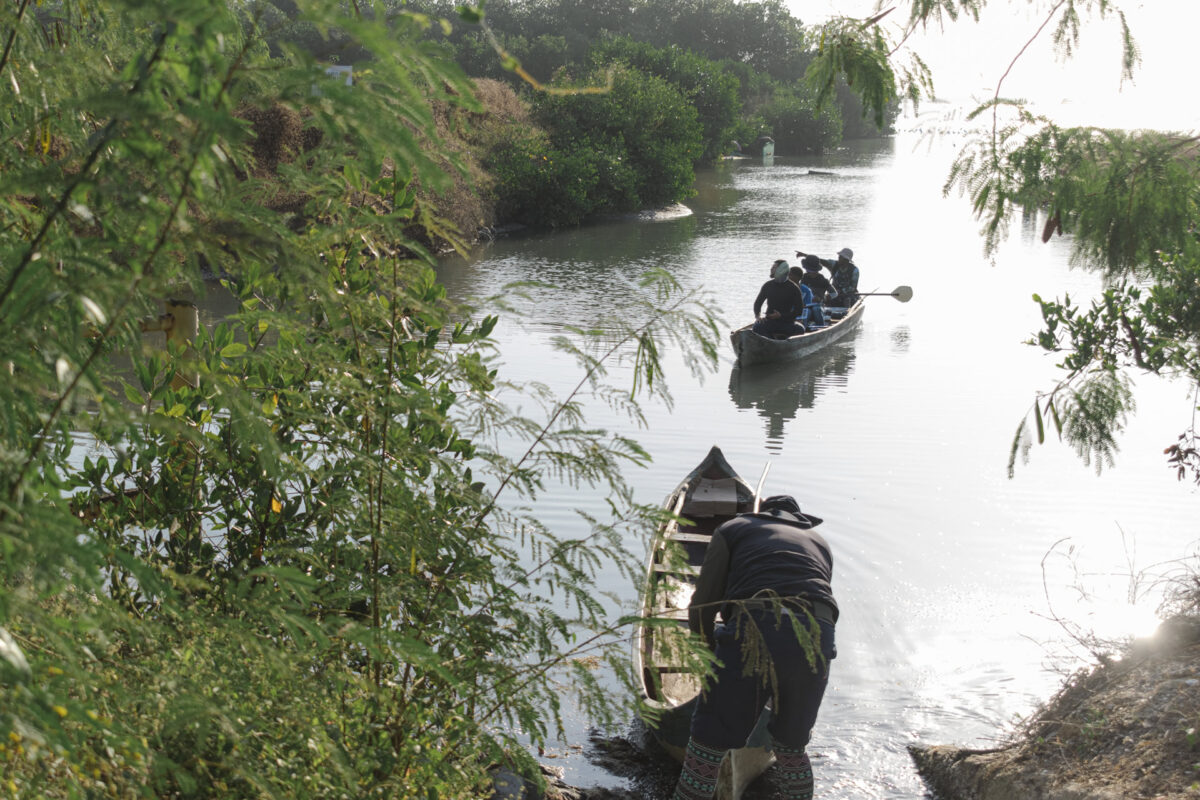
x=275, y=560
x=708, y=85
x=540, y=185
x=649, y=131
x=798, y=127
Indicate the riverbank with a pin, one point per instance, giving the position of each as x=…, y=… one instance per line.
x=1128, y=728
x=453, y=215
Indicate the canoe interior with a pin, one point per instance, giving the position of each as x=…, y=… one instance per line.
x=710, y=495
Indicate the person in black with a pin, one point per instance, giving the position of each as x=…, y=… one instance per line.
x=843, y=276
x=784, y=303
x=767, y=573
x=822, y=289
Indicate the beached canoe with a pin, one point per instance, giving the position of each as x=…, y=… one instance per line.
x=710, y=494
x=752, y=348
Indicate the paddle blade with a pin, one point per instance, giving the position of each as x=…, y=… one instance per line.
x=902, y=293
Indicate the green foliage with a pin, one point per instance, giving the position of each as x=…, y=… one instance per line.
x=709, y=86
x=859, y=53
x=608, y=151
x=542, y=56
x=542, y=185
x=1126, y=196
x=763, y=35
x=797, y=125
x=1129, y=199
x=855, y=122
x=927, y=12
x=729, y=61
x=1087, y=414
x=629, y=147
x=280, y=560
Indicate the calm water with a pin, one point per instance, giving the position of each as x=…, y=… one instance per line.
x=949, y=574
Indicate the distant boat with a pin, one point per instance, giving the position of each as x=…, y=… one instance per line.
x=710, y=494
x=753, y=348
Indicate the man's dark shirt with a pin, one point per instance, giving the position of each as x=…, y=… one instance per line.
x=820, y=285
x=751, y=553
x=785, y=298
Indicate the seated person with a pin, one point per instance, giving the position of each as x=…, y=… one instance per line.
x=845, y=278
x=813, y=312
x=822, y=289
x=784, y=302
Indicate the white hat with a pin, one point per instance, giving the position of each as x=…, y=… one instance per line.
x=779, y=270
x=846, y=253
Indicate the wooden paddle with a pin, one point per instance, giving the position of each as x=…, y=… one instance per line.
x=901, y=293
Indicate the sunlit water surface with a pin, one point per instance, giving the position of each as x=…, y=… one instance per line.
x=950, y=575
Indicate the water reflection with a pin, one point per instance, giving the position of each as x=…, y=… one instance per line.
x=574, y=276
x=778, y=391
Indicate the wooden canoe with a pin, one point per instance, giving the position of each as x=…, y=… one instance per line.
x=710, y=494
x=754, y=349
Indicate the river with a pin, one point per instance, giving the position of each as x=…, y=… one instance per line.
x=952, y=577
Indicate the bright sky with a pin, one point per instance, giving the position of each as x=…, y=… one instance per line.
x=968, y=59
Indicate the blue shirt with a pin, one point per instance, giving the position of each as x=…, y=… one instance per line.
x=808, y=295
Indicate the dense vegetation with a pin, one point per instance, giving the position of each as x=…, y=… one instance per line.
x=284, y=560
x=736, y=69
x=625, y=99
x=759, y=44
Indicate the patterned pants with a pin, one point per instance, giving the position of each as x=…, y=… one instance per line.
x=698, y=781
x=794, y=772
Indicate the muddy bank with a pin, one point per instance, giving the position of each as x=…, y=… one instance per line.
x=1126, y=729
x=650, y=773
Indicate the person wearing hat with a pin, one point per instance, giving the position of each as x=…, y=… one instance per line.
x=822, y=289
x=844, y=276
x=767, y=573
x=784, y=303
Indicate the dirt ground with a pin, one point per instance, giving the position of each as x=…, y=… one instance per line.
x=1126, y=729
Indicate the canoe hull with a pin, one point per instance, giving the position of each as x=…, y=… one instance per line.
x=751, y=348
x=710, y=494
